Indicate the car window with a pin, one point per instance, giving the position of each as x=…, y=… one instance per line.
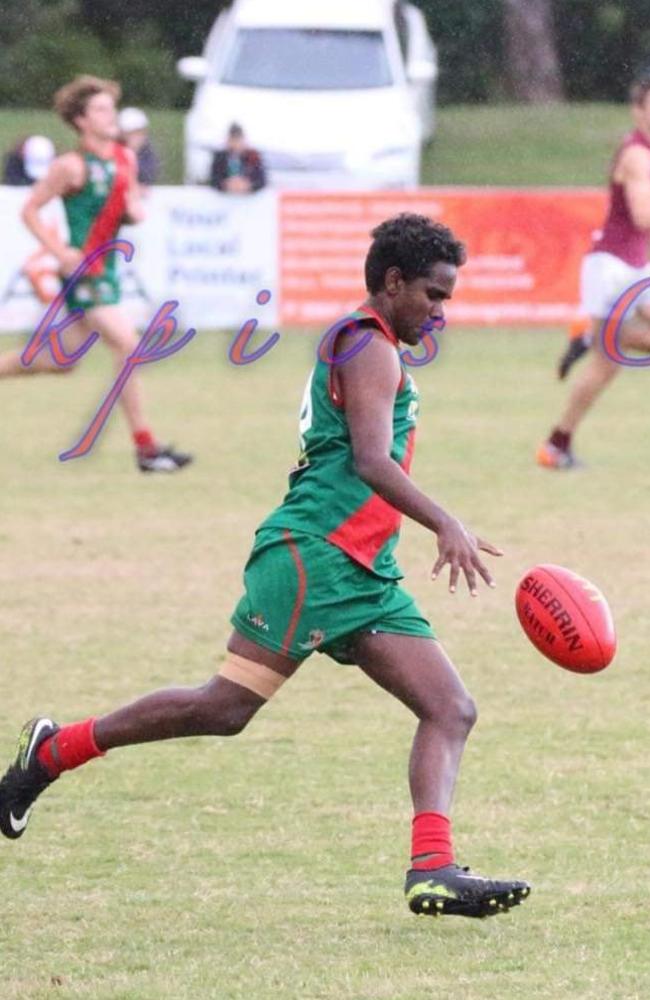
x=301, y=59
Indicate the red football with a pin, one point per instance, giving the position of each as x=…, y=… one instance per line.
x=567, y=618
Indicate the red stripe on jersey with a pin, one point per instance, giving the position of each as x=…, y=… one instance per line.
x=383, y=325
x=336, y=397
x=109, y=218
x=302, y=589
x=364, y=534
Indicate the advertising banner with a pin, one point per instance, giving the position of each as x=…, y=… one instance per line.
x=210, y=252
x=524, y=246
x=214, y=253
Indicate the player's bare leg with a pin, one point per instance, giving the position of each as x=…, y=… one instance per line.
x=221, y=707
x=11, y=366
x=589, y=385
x=417, y=671
x=120, y=335
x=117, y=332
x=43, y=363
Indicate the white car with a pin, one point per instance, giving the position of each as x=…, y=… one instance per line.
x=334, y=94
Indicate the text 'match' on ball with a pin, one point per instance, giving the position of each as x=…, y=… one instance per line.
x=567, y=618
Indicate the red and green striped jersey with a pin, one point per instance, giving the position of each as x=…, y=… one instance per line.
x=95, y=212
x=326, y=496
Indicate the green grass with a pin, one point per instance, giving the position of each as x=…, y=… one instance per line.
x=474, y=144
x=271, y=865
x=566, y=144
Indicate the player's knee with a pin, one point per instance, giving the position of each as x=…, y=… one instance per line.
x=232, y=720
x=467, y=712
x=457, y=715
x=222, y=714
x=123, y=347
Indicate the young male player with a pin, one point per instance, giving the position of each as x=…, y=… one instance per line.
x=97, y=183
x=322, y=576
x=618, y=259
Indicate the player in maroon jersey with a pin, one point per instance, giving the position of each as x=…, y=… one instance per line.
x=618, y=259
x=97, y=183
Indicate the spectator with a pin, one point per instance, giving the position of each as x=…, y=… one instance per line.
x=134, y=133
x=237, y=169
x=28, y=161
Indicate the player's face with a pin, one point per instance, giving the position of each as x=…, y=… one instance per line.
x=419, y=303
x=99, y=119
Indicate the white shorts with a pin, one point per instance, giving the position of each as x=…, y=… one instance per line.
x=603, y=278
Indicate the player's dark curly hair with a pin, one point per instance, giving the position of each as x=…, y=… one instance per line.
x=413, y=243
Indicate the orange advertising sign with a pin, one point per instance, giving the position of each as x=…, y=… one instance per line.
x=524, y=247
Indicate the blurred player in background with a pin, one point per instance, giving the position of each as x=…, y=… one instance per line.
x=134, y=133
x=618, y=259
x=97, y=184
x=28, y=161
x=322, y=576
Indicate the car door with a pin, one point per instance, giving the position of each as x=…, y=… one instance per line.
x=421, y=62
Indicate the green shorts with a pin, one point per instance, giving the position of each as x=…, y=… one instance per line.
x=89, y=292
x=304, y=595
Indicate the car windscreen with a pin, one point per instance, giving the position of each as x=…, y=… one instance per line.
x=301, y=59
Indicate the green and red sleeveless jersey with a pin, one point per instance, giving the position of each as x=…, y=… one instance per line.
x=95, y=212
x=326, y=496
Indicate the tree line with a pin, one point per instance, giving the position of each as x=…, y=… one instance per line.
x=489, y=50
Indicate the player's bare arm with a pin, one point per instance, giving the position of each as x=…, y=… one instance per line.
x=633, y=171
x=368, y=383
x=66, y=174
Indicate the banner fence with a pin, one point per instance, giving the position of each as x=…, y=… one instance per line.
x=213, y=254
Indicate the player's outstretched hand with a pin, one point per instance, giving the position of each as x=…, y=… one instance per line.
x=460, y=548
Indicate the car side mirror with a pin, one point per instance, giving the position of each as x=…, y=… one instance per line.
x=192, y=68
x=421, y=71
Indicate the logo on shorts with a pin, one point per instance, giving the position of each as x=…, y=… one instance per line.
x=258, y=621
x=316, y=637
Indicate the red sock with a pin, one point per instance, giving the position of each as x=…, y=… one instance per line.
x=145, y=441
x=431, y=836
x=71, y=747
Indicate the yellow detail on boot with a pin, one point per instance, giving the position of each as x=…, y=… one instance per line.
x=430, y=889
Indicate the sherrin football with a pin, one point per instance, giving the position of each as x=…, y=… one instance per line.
x=567, y=618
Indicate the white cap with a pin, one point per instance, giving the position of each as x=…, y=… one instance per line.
x=132, y=120
x=38, y=153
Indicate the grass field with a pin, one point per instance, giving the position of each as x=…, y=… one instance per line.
x=271, y=866
x=500, y=144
